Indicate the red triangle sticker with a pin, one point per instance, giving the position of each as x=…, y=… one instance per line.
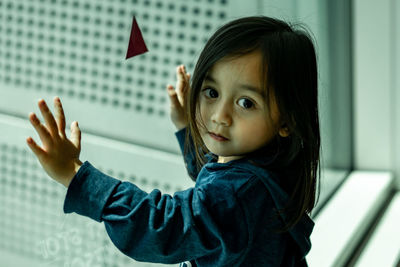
x=136, y=43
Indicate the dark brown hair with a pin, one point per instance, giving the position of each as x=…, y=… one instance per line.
x=289, y=62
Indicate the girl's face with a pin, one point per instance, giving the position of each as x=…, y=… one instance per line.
x=234, y=116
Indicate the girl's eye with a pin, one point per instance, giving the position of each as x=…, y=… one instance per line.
x=211, y=93
x=245, y=103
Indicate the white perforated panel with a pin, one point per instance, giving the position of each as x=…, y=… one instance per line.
x=76, y=50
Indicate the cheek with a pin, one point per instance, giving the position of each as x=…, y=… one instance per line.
x=201, y=116
x=259, y=132
x=203, y=111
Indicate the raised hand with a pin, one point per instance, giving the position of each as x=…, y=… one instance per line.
x=177, y=97
x=59, y=155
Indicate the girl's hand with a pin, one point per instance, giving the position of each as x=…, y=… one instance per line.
x=177, y=97
x=59, y=156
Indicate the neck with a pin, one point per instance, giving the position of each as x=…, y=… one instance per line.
x=227, y=159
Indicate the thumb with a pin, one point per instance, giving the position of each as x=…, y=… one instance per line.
x=76, y=134
x=173, y=96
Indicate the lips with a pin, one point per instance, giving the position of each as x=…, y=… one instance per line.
x=218, y=137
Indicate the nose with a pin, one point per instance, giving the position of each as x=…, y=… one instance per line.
x=222, y=114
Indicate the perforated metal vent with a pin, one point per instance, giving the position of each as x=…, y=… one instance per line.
x=76, y=50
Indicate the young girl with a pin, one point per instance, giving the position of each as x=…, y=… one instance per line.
x=249, y=131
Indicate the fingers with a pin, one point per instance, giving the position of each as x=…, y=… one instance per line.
x=48, y=118
x=40, y=129
x=182, y=79
x=182, y=83
x=76, y=135
x=37, y=150
x=177, y=94
x=60, y=116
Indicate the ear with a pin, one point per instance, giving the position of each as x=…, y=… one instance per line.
x=284, y=131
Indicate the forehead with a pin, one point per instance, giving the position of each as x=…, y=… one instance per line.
x=242, y=69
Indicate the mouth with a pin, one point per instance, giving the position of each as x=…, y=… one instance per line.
x=218, y=137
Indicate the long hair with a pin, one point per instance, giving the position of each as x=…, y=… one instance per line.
x=290, y=75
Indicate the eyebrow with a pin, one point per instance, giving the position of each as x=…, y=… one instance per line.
x=247, y=87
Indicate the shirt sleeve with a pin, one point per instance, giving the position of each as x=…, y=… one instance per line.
x=190, y=157
x=155, y=227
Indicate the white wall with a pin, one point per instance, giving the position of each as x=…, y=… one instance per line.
x=395, y=88
x=376, y=97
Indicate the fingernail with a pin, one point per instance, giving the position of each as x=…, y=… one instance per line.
x=43, y=104
x=34, y=118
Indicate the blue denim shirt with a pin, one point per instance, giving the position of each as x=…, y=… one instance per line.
x=227, y=219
